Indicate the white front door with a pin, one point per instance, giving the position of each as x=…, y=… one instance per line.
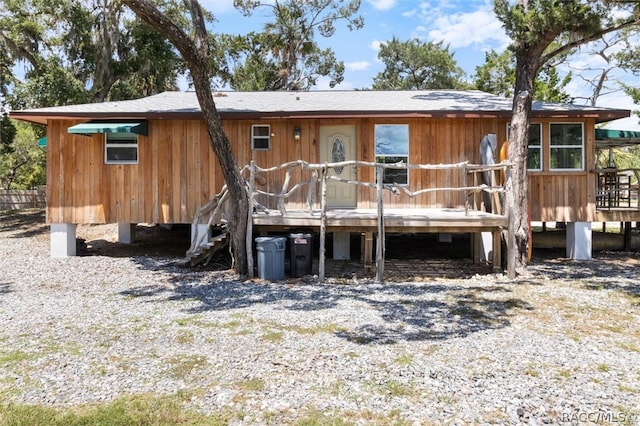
x=338, y=143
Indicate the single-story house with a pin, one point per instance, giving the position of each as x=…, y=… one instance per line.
x=149, y=160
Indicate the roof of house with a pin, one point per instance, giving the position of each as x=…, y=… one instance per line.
x=420, y=103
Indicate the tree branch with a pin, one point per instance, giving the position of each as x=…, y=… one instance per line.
x=156, y=19
x=591, y=37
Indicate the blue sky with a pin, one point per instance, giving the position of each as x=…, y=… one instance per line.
x=469, y=27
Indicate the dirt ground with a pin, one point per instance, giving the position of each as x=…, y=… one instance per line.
x=405, y=255
x=101, y=240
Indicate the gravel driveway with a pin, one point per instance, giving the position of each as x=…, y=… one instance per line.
x=560, y=345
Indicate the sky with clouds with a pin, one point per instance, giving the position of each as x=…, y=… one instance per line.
x=468, y=27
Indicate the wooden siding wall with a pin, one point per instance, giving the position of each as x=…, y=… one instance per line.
x=177, y=171
x=174, y=175
x=564, y=196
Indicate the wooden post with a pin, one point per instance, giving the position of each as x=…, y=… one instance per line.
x=323, y=223
x=249, y=236
x=380, y=240
x=283, y=191
x=511, y=227
x=466, y=192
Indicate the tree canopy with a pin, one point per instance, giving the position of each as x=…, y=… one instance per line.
x=286, y=55
x=498, y=76
x=413, y=64
x=76, y=52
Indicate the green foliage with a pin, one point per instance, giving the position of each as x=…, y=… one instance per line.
x=7, y=134
x=87, y=51
x=285, y=55
x=498, y=76
x=412, y=64
x=24, y=166
x=533, y=26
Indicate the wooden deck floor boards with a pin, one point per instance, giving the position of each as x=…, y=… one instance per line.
x=395, y=220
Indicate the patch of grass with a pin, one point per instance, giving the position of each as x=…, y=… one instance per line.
x=398, y=389
x=273, y=336
x=404, y=360
x=329, y=328
x=316, y=418
x=322, y=328
x=184, y=337
x=183, y=365
x=628, y=346
x=626, y=388
x=531, y=370
x=131, y=410
x=565, y=374
x=13, y=358
x=446, y=399
x=251, y=385
x=196, y=322
x=231, y=324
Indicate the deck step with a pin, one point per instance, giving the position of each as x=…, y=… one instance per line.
x=204, y=253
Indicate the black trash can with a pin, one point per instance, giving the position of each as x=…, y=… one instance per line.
x=301, y=252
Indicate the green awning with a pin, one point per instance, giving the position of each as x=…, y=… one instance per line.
x=137, y=127
x=608, y=138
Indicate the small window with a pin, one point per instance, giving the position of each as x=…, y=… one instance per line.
x=121, y=148
x=260, y=137
x=392, y=146
x=566, y=146
x=534, y=147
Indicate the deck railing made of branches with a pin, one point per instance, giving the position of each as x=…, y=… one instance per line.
x=319, y=175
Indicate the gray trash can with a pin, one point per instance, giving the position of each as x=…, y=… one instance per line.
x=271, y=257
x=301, y=254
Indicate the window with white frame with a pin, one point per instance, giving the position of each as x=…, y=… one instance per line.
x=121, y=148
x=392, y=146
x=534, y=147
x=260, y=137
x=566, y=146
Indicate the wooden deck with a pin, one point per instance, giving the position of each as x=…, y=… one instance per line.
x=398, y=221
x=395, y=220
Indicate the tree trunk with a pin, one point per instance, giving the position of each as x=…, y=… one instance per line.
x=196, y=54
x=517, y=194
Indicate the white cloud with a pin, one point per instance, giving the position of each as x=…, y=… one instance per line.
x=217, y=6
x=464, y=29
x=382, y=4
x=357, y=66
x=375, y=45
x=410, y=13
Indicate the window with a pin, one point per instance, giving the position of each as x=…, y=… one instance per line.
x=121, y=148
x=260, y=137
x=566, y=146
x=534, y=147
x=392, y=146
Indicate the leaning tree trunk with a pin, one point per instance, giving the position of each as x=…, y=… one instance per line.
x=517, y=194
x=196, y=54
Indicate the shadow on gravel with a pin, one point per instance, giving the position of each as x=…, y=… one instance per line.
x=5, y=288
x=426, y=311
x=606, y=271
x=23, y=223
